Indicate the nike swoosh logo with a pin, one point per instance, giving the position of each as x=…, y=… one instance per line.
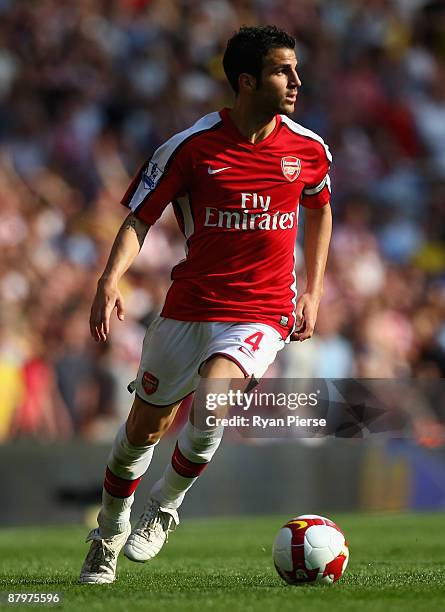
x=211, y=171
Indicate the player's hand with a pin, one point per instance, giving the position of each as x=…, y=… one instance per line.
x=107, y=298
x=306, y=315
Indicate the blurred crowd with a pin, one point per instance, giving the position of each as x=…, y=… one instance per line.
x=88, y=90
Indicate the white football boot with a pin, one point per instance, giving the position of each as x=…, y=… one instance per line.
x=150, y=532
x=100, y=564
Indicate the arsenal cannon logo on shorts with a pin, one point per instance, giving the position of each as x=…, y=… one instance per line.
x=150, y=383
x=291, y=167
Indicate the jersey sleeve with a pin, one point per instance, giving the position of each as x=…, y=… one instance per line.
x=318, y=193
x=161, y=180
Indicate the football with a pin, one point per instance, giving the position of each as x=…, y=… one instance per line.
x=310, y=549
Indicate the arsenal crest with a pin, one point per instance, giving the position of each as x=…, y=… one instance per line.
x=150, y=383
x=291, y=167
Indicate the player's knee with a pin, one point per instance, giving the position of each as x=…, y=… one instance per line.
x=146, y=424
x=139, y=436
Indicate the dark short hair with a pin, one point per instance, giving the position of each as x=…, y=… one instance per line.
x=247, y=48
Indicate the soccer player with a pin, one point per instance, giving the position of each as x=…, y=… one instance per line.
x=235, y=180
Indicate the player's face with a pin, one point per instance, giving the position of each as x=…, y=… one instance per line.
x=279, y=82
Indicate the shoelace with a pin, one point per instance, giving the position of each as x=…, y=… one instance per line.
x=152, y=517
x=100, y=552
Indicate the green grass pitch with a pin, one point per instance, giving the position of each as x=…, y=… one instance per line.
x=397, y=563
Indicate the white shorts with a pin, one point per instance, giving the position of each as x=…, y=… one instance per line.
x=173, y=352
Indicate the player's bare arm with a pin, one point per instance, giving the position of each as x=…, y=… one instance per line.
x=134, y=224
x=126, y=247
x=317, y=235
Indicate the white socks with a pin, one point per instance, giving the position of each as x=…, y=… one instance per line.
x=192, y=453
x=126, y=466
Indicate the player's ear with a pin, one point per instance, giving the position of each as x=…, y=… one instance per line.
x=246, y=82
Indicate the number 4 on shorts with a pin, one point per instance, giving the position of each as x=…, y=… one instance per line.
x=254, y=340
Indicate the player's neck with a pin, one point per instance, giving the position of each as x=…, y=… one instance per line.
x=253, y=126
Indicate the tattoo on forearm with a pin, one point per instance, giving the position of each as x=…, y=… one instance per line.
x=137, y=226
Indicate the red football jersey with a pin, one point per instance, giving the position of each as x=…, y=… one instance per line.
x=237, y=206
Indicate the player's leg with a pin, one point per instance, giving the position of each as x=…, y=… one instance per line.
x=197, y=442
x=236, y=351
x=194, y=449
x=166, y=375
x=128, y=461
